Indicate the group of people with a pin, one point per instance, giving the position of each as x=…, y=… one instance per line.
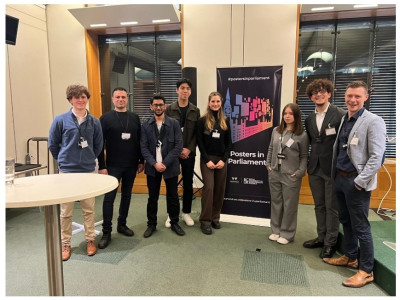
x=347, y=150
x=162, y=147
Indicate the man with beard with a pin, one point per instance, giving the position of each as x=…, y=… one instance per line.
x=161, y=144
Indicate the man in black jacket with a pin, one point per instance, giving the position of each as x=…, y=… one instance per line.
x=123, y=159
x=322, y=126
x=186, y=114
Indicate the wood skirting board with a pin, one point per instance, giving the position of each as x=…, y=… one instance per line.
x=140, y=187
x=376, y=196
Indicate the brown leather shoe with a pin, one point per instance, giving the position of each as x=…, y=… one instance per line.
x=342, y=261
x=359, y=280
x=66, y=252
x=91, y=248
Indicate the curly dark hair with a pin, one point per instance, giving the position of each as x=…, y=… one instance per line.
x=318, y=85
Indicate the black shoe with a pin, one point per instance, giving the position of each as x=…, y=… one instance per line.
x=206, y=229
x=327, y=251
x=149, y=231
x=216, y=225
x=315, y=243
x=177, y=229
x=105, y=240
x=124, y=230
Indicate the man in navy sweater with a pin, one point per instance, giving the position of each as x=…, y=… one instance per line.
x=75, y=141
x=122, y=159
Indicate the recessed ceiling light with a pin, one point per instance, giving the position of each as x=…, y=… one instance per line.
x=364, y=5
x=322, y=8
x=128, y=23
x=161, y=21
x=98, y=25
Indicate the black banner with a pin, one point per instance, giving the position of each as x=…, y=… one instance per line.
x=252, y=100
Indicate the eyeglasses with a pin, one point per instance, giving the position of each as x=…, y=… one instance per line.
x=322, y=91
x=158, y=105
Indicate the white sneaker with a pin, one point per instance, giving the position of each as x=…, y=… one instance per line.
x=167, y=223
x=282, y=241
x=274, y=237
x=188, y=220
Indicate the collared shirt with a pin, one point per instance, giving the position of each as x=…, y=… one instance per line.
x=78, y=118
x=320, y=116
x=343, y=161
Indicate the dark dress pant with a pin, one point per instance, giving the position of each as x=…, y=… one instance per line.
x=353, y=215
x=125, y=175
x=153, y=185
x=213, y=192
x=187, y=167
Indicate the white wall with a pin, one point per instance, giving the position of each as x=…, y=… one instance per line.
x=67, y=53
x=239, y=35
x=28, y=98
x=49, y=55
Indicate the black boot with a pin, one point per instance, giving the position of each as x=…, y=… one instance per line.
x=105, y=240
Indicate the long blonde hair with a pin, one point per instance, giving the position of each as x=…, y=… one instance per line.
x=209, y=116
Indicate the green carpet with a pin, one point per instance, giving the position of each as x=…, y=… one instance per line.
x=274, y=268
x=113, y=254
x=385, y=257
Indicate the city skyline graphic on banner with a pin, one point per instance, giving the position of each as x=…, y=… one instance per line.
x=248, y=116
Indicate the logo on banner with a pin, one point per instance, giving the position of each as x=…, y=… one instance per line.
x=234, y=180
x=252, y=181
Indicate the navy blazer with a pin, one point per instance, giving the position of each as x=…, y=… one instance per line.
x=171, y=147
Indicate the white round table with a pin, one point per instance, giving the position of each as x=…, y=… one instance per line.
x=49, y=191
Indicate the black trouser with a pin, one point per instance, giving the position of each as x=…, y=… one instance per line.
x=127, y=177
x=187, y=167
x=153, y=185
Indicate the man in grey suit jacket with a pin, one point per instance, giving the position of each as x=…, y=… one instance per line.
x=358, y=155
x=161, y=144
x=322, y=126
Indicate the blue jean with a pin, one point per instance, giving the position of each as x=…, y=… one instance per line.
x=353, y=207
x=187, y=167
x=153, y=185
x=127, y=177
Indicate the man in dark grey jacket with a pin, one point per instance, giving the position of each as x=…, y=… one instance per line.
x=187, y=114
x=322, y=126
x=161, y=145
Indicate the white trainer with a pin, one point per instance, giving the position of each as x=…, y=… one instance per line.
x=167, y=223
x=274, y=237
x=282, y=241
x=188, y=220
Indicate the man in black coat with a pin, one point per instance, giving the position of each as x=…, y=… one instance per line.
x=322, y=126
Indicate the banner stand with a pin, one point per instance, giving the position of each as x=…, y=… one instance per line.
x=245, y=220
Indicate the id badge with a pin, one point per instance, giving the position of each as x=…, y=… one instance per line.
x=289, y=143
x=281, y=156
x=216, y=135
x=84, y=143
x=330, y=131
x=125, y=136
x=182, y=128
x=354, y=141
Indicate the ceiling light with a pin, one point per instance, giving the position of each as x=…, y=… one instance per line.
x=128, y=23
x=161, y=21
x=322, y=8
x=364, y=5
x=98, y=25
